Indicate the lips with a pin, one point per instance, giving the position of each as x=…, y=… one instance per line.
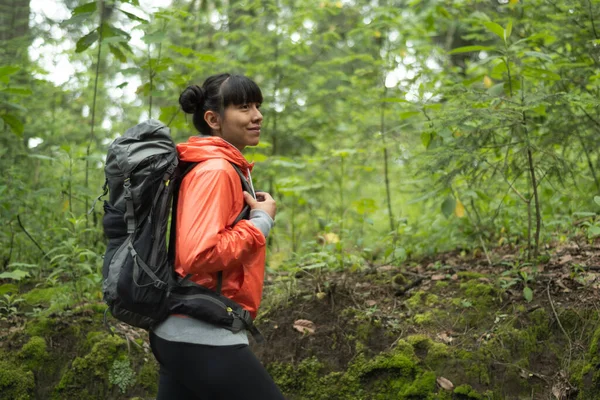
x=255, y=129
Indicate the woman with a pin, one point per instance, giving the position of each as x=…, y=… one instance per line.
x=199, y=360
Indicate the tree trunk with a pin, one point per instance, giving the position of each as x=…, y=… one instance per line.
x=14, y=30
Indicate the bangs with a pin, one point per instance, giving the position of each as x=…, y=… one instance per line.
x=239, y=89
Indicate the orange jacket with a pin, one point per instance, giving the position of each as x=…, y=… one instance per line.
x=210, y=199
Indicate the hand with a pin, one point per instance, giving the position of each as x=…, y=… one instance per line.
x=263, y=201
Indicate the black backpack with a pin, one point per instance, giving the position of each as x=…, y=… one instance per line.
x=143, y=175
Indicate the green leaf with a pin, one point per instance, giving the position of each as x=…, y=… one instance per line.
x=155, y=37
x=15, y=275
x=443, y=12
x=408, y=114
x=77, y=19
x=448, y=206
x=85, y=8
x=528, y=294
x=8, y=70
x=134, y=17
x=122, y=85
x=496, y=90
x=508, y=31
x=468, y=49
x=85, y=42
x=597, y=200
x=117, y=53
x=537, y=54
x=426, y=139
x=494, y=28
x=17, y=91
x=14, y=123
x=400, y=254
x=542, y=74
x=593, y=231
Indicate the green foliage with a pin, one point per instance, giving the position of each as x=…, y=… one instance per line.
x=16, y=383
x=9, y=305
x=34, y=353
x=94, y=366
x=121, y=374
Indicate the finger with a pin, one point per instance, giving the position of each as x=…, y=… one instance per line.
x=264, y=195
x=249, y=199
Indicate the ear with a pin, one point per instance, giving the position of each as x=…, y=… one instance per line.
x=213, y=120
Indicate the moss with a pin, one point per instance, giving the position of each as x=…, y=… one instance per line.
x=148, y=376
x=441, y=284
x=423, y=385
x=466, y=392
x=34, y=353
x=399, y=280
x=437, y=355
x=363, y=330
x=431, y=300
x=42, y=326
x=93, y=367
x=41, y=296
x=8, y=288
x=303, y=378
x=404, y=347
x=399, y=362
x=16, y=383
x=424, y=319
x=586, y=374
x=421, y=342
x=93, y=337
x=469, y=275
x=415, y=300
x=481, y=294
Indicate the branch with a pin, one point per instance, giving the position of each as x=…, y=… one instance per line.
x=560, y=324
x=29, y=236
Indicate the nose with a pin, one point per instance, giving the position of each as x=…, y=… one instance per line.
x=257, y=115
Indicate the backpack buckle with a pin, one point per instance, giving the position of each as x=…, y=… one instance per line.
x=160, y=285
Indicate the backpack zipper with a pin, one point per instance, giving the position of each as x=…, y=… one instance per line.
x=203, y=297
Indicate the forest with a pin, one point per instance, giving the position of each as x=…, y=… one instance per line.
x=436, y=167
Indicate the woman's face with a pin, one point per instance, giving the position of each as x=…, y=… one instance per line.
x=240, y=125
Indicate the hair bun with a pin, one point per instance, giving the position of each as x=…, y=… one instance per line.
x=192, y=99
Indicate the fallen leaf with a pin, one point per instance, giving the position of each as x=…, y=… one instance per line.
x=321, y=295
x=444, y=337
x=560, y=283
x=454, y=277
x=444, y=383
x=565, y=259
x=304, y=326
x=438, y=277
x=370, y=303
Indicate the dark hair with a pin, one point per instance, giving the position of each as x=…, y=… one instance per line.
x=218, y=92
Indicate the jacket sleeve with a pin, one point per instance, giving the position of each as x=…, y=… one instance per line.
x=205, y=241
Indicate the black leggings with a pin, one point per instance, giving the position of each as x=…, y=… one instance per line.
x=199, y=372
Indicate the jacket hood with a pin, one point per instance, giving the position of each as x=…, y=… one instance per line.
x=202, y=148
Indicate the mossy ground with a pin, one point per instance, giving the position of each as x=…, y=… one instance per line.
x=466, y=322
